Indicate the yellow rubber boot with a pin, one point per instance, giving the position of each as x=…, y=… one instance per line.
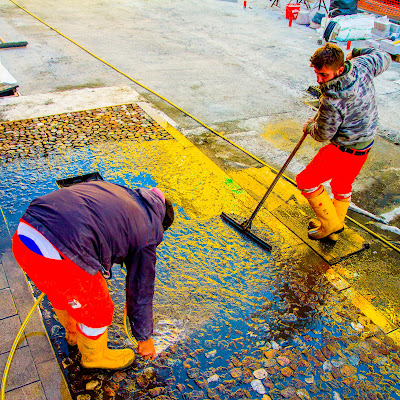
x=69, y=325
x=96, y=354
x=326, y=214
x=341, y=207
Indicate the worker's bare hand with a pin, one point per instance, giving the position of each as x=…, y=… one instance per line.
x=349, y=55
x=311, y=119
x=146, y=349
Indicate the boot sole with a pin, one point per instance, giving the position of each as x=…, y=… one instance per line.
x=99, y=369
x=327, y=236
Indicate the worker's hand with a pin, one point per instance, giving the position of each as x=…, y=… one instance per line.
x=349, y=55
x=311, y=119
x=146, y=349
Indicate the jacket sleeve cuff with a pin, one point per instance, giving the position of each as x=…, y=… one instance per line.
x=359, y=52
x=310, y=127
x=140, y=336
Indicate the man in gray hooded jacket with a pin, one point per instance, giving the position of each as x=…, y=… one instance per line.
x=347, y=117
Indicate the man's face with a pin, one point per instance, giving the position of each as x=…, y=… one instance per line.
x=326, y=74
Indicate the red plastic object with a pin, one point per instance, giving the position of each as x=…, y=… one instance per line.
x=348, y=45
x=292, y=10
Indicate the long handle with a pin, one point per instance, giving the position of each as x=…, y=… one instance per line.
x=247, y=224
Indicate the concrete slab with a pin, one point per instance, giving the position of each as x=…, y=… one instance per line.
x=32, y=391
x=25, y=107
x=296, y=218
x=23, y=370
x=7, y=308
x=9, y=328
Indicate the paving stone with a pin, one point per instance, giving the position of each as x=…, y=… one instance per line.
x=35, y=331
x=53, y=381
x=7, y=307
x=33, y=391
x=22, y=371
x=19, y=289
x=8, y=331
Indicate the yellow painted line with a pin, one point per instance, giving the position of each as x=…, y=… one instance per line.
x=370, y=311
x=174, y=133
x=336, y=280
x=395, y=335
x=341, y=284
x=358, y=300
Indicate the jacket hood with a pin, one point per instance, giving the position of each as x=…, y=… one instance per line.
x=344, y=86
x=153, y=202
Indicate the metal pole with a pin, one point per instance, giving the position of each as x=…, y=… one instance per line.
x=247, y=224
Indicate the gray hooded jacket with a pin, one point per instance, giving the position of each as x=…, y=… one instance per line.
x=347, y=113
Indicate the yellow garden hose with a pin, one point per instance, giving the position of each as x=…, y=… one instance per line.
x=131, y=338
x=382, y=239
x=20, y=332
x=15, y=345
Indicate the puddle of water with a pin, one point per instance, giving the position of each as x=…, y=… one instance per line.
x=242, y=313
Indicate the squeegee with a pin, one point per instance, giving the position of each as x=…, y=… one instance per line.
x=7, y=45
x=244, y=227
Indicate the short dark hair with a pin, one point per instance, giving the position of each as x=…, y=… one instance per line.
x=330, y=56
x=169, y=214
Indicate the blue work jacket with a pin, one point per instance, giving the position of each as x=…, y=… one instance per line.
x=99, y=224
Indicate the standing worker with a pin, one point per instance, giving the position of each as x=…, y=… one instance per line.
x=68, y=240
x=347, y=117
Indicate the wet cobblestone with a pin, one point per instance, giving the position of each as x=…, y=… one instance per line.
x=38, y=137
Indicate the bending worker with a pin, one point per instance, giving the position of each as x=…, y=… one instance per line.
x=347, y=117
x=68, y=239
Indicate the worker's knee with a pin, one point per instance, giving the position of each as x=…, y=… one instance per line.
x=300, y=181
x=304, y=183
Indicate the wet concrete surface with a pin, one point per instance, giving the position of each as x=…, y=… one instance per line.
x=241, y=322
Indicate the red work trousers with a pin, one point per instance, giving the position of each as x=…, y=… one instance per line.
x=332, y=164
x=67, y=286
